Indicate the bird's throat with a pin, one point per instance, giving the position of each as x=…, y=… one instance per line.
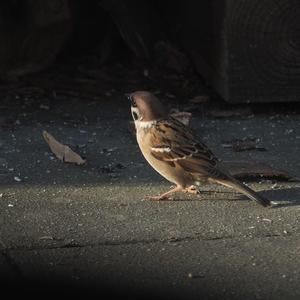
x=144, y=124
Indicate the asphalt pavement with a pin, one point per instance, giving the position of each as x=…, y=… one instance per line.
x=88, y=228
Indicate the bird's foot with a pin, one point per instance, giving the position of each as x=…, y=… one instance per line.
x=165, y=196
x=192, y=190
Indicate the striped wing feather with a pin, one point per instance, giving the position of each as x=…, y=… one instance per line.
x=174, y=143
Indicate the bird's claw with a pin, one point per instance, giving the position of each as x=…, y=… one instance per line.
x=192, y=190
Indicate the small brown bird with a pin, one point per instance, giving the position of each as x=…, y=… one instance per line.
x=171, y=149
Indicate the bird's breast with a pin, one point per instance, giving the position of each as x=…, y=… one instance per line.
x=166, y=170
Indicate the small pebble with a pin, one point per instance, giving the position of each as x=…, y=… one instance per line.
x=18, y=179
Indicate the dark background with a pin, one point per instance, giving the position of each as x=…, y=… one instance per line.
x=246, y=51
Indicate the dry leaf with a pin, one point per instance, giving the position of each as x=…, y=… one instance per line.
x=62, y=152
x=244, y=169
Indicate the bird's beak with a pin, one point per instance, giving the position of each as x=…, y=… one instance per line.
x=128, y=96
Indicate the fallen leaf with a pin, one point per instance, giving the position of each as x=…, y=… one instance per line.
x=62, y=152
x=244, y=144
x=43, y=106
x=246, y=169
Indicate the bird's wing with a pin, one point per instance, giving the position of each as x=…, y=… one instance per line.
x=172, y=142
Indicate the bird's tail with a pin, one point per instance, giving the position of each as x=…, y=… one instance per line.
x=242, y=188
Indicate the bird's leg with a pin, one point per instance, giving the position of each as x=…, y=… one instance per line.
x=165, y=195
x=192, y=190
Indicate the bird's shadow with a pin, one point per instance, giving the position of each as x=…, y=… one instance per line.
x=280, y=197
x=283, y=197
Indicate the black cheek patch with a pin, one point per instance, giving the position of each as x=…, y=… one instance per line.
x=135, y=116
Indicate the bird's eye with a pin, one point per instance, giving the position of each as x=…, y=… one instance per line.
x=135, y=115
x=131, y=99
x=133, y=103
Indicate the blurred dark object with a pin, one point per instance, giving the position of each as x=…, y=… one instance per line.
x=169, y=56
x=32, y=33
x=137, y=22
x=252, y=169
x=249, y=51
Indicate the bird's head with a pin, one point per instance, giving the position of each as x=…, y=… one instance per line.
x=145, y=106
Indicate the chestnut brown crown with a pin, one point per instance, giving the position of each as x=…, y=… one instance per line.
x=145, y=106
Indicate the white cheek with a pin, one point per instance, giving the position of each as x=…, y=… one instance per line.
x=134, y=110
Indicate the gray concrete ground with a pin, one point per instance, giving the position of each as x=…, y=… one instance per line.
x=89, y=225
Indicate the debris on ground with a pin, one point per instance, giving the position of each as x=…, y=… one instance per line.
x=17, y=179
x=108, y=151
x=111, y=168
x=248, y=169
x=244, y=144
x=168, y=55
x=62, y=152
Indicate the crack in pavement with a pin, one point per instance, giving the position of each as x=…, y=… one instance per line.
x=74, y=244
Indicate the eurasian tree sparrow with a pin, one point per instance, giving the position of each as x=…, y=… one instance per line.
x=171, y=149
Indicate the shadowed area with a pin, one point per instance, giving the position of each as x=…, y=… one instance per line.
x=86, y=229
